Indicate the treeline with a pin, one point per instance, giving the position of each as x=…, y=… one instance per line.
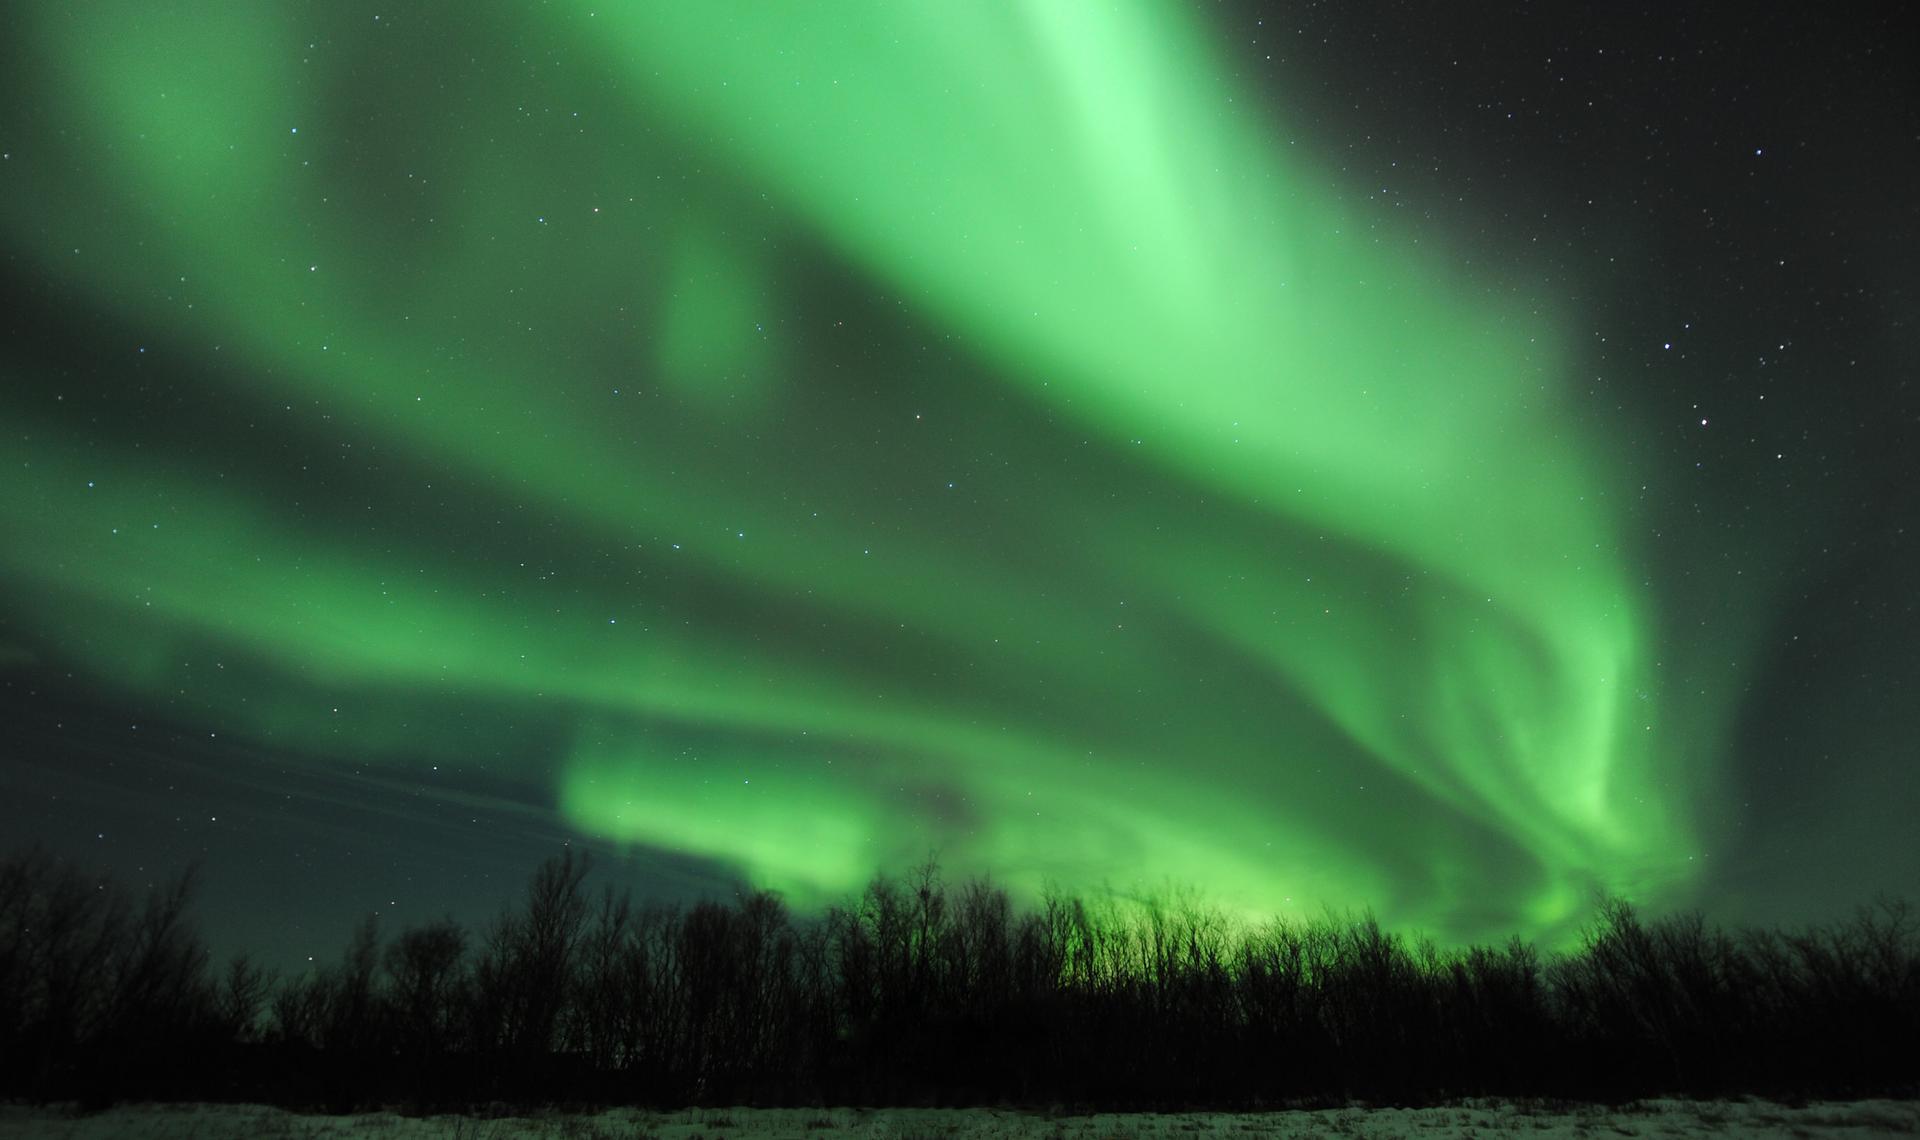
x=925, y=993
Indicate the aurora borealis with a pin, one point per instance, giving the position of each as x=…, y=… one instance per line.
x=781, y=441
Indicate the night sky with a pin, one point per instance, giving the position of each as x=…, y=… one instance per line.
x=1345, y=455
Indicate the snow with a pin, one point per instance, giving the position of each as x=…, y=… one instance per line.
x=1746, y=1120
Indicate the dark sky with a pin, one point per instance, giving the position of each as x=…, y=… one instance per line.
x=1358, y=454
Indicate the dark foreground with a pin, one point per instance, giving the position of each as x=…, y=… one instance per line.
x=922, y=994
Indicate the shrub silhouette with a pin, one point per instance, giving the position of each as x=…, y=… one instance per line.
x=919, y=992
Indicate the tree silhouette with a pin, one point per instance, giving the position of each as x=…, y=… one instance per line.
x=918, y=992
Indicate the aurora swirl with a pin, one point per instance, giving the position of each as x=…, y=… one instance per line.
x=804, y=437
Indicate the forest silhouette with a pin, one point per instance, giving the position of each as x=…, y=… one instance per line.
x=921, y=992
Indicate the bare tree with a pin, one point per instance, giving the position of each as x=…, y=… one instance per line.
x=242, y=997
x=425, y=981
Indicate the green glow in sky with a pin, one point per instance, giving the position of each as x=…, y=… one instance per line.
x=848, y=431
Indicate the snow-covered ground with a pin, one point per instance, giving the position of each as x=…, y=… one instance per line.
x=1743, y=1119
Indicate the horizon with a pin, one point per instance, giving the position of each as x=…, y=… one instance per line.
x=923, y=993
x=1128, y=909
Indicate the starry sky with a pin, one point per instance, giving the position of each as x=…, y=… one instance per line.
x=1456, y=464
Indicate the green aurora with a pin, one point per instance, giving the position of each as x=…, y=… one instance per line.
x=849, y=431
